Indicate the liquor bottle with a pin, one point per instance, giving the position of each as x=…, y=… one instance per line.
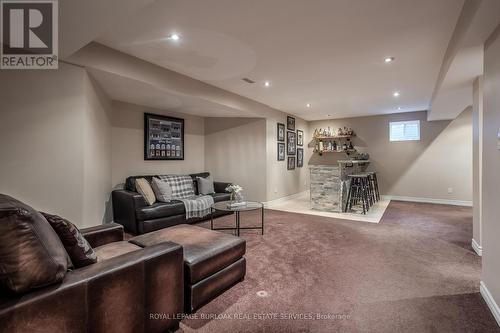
x=334, y=145
x=344, y=146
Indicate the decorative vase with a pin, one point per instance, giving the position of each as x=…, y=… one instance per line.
x=236, y=197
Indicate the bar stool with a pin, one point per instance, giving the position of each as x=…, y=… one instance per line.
x=374, y=184
x=358, y=191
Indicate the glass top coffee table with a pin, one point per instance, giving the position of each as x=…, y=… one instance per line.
x=225, y=206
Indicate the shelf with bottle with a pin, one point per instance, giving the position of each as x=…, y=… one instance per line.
x=329, y=134
x=335, y=137
x=345, y=147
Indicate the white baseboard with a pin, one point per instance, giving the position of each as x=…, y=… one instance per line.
x=282, y=199
x=478, y=248
x=429, y=200
x=490, y=301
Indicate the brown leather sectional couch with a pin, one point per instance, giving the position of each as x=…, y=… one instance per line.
x=143, y=284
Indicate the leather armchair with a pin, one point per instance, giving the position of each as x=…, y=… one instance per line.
x=140, y=291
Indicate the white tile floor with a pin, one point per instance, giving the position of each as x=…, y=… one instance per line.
x=301, y=204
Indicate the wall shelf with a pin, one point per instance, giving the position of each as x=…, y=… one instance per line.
x=348, y=151
x=336, y=137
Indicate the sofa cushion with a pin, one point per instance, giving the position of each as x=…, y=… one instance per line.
x=114, y=249
x=205, y=185
x=79, y=250
x=31, y=254
x=144, y=188
x=195, y=183
x=130, y=182
x=221, y=197
x=181, y=185
x=205, y=251
x=159, y=210
x=162, y=189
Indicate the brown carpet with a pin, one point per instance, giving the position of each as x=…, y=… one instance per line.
x=413, y=272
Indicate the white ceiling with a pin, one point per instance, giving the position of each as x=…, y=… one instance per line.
x=325, y=52
x=126, y=89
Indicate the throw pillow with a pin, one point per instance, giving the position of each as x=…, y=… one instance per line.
x=31, y=254
x=162, y=190
x=205, y=185
x=78, y=248
x=181, y=185
x=144, y=188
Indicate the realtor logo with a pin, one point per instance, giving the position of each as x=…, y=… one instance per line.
x=29, y=34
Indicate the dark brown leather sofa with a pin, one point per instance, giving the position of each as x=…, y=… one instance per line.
x=131, y=210
x=129, y=289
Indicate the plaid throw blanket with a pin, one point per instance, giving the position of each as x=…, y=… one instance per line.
x=198, y=206
x=182, y=186
x=183, y=190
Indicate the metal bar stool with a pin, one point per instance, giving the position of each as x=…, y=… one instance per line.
x=358, y=191
x=374, y=184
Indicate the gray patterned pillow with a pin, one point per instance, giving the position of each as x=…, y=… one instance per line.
x=78, y=248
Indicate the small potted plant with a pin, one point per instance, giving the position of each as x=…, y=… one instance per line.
x=235, y=191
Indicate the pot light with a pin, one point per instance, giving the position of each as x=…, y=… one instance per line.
x=267, y=84
x=396, y=94
x=308, y=105
x=400, y=108
x=174, y=37
x=389, y=60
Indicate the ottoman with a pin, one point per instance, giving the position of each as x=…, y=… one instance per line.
x=213, y=261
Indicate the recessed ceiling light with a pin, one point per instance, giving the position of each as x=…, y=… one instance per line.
x=174, y=37
x=267, y=84
x=308, y=105
x=396, y=94
x=400, y=108
x=389, y=60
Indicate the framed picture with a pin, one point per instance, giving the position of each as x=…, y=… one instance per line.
x=281, y=132
x=291, y=163
x=290, y=123
x=300, y=138
x=291, y=144
x=281, y=151
x=300, y=157
x=163, y=137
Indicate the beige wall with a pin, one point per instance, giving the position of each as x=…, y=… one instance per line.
x=477, y=148
x=127, y=154
x=235, y=151
x=422, y=169
x=280, y=181
x=53, y=129
x=491, y=167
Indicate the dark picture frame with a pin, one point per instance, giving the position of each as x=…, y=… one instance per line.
x=281, y=151
x=300, y=138
x=291, y=143
x=291, y=163
x=300, y=157
x=290, y=123
x=163, y=137
x=280, y=128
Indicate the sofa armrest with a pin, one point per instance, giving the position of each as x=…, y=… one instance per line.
x=115, y=295
x=125, y=204
x=220, y=187
x=103, y=234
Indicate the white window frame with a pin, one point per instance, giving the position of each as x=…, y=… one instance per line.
x=404, y=137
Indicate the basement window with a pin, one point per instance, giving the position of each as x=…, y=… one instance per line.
x=404, y=130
